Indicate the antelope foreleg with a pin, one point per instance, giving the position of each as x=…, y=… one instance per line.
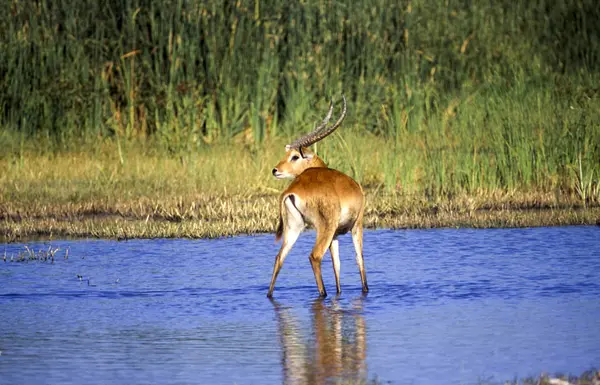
x=357, y=239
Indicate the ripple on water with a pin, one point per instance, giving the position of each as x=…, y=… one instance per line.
x=446, y=306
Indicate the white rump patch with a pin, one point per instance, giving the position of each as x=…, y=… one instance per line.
x=344, y=215
x=294, y=219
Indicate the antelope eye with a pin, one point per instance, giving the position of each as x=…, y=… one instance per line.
x=295, y=158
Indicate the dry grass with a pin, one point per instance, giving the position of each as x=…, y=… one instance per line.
x=148, y=195
x=262, y=220
x=590, y=377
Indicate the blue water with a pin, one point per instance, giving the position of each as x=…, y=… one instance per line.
x=445, y=307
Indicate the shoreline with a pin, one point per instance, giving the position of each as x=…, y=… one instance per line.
x=97, y=195
x=258, y=216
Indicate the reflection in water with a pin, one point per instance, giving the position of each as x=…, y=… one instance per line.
x=335, y=350
x=449, y=307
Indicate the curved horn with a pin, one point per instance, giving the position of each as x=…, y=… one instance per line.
x=320, y=132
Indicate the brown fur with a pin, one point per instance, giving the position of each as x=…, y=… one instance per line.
x=306, y=159
x=327, y=199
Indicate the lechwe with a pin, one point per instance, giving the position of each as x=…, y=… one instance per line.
x=330, y=201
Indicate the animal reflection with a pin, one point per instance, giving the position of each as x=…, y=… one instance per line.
x=334, y=352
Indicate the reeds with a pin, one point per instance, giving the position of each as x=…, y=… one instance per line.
x=30, y=255
x=169, y=97
x=492, y=96
x=589, y=377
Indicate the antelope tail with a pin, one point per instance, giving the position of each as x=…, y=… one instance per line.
x=279, y=231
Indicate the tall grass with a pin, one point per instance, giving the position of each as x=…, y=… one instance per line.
x=469, y=96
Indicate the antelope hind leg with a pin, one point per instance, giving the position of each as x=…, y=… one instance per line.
x=316, y=256
x=293, y=226
x=334, y=250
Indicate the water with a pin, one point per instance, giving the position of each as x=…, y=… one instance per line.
x=445, y=307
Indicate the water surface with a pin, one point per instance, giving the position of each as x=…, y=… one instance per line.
x=445, y=307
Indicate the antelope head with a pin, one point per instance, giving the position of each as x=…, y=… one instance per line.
x=298, y=157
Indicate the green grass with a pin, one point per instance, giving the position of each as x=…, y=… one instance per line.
x=469, y=97
x=228, y=189
x=523, y=140
x=143, y=110
x=192, y=72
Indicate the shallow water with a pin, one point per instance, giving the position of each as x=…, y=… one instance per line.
x=445, y=307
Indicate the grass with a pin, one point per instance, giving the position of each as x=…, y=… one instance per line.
x=164, y=118
x=97, y=193
x=590, y=377
x=30, y=255
x=185, y=72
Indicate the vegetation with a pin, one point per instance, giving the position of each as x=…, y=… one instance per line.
x=82, y=194
x=30, y=255
x=590, y=377
x=164, y=118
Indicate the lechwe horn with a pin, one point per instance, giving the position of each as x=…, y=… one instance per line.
x=320, y=132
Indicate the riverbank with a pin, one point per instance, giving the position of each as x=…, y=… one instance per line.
x=169, y=125
x=115, y=224
x=228, y=189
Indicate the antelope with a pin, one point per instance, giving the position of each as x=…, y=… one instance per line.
x=324, y=198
